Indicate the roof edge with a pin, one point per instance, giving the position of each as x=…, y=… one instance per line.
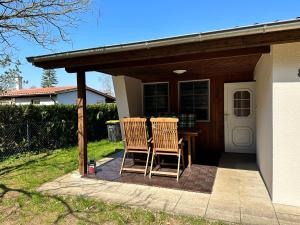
x=54, y=93
x=196, y=37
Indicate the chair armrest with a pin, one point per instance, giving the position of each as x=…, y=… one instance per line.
x=180, y=141
x=150, y=140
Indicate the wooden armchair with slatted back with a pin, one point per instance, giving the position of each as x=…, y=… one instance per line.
x=135, y=133
x=165, y=142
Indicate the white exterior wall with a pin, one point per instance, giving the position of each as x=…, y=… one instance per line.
x=286, y=124
x=128, y=93
x=68, y=98
x=264, y=122
x=27, y=100
x=278, y=122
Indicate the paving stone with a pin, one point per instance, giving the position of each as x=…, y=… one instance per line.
x=288, y=219
x=257, y=207
x=191, y=210
x=287, y=209
x=194, y=204
x=258, y=220
x=218, y=214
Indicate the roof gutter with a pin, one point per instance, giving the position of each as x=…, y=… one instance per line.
x=198, y=37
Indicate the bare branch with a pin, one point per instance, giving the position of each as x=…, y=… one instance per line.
x=43, y=22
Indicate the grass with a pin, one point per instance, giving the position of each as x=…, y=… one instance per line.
x=20, y=203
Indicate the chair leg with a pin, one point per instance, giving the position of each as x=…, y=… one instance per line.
x=178, y=167
x=147, y=161
x=124, y=156
x=151, y=167
x=133, y=158
x=182, y=158
x=158, y=160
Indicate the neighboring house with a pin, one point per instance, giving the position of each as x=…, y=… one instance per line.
x=243, y=84
x=53, y=95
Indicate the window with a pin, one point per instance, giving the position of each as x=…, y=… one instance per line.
x=35, y=101
x=156, y=98
x=241, y=106
x=194, y=98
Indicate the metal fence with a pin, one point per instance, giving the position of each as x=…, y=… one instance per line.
x=35, y=137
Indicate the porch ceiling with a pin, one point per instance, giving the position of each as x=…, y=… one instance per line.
x=234, y=65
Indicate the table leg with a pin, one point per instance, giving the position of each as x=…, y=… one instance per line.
x=189, y=151
x=193, y=147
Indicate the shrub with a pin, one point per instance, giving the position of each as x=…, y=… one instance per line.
x=33, y=128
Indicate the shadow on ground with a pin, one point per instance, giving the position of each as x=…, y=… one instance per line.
x=68, y=210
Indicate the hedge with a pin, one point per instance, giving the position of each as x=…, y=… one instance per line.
x=36, y=127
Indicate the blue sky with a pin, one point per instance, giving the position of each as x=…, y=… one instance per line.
x=115, y=21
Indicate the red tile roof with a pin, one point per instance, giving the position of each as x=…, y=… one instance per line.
x=48, y=91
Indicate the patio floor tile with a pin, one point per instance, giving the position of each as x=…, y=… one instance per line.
x=258, y=220
x=191, y=203
x=257, y=207
x=288, y=219
x=286, y=209
x=225, y=215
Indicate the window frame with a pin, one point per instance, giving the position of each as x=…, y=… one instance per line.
x=186, y=81
x=35, y=100
x=150, y=83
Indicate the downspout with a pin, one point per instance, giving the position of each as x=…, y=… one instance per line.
x=52, y=99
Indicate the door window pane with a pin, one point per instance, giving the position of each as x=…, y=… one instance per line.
x=242, y=103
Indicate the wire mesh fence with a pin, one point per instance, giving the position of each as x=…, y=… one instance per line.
x=35, y=137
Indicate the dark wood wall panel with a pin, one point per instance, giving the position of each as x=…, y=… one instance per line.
x=211, y=137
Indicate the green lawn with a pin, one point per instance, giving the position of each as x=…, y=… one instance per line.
x=21, y=204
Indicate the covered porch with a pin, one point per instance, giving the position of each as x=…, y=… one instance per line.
x=210, y=60
x=156, y=90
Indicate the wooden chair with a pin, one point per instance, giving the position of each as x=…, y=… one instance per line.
x=165, y=142
x=135, y=132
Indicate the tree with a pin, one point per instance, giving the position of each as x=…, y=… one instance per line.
x=8, y=77
x=49, y=78
x=40, y=21
x=106, y=83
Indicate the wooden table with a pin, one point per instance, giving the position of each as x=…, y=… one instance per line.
x=189, y=136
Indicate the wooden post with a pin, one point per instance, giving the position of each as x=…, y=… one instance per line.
x=82, y=134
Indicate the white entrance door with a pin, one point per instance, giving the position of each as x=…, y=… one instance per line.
x=239, y=117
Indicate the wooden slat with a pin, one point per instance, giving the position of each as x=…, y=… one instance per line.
x=112, y=68
x=211, y=67
x=82, y=134
x=164, y=173
x=133, y=169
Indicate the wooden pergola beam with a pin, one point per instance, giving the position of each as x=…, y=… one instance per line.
x=170, y=60
x=82, y=134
